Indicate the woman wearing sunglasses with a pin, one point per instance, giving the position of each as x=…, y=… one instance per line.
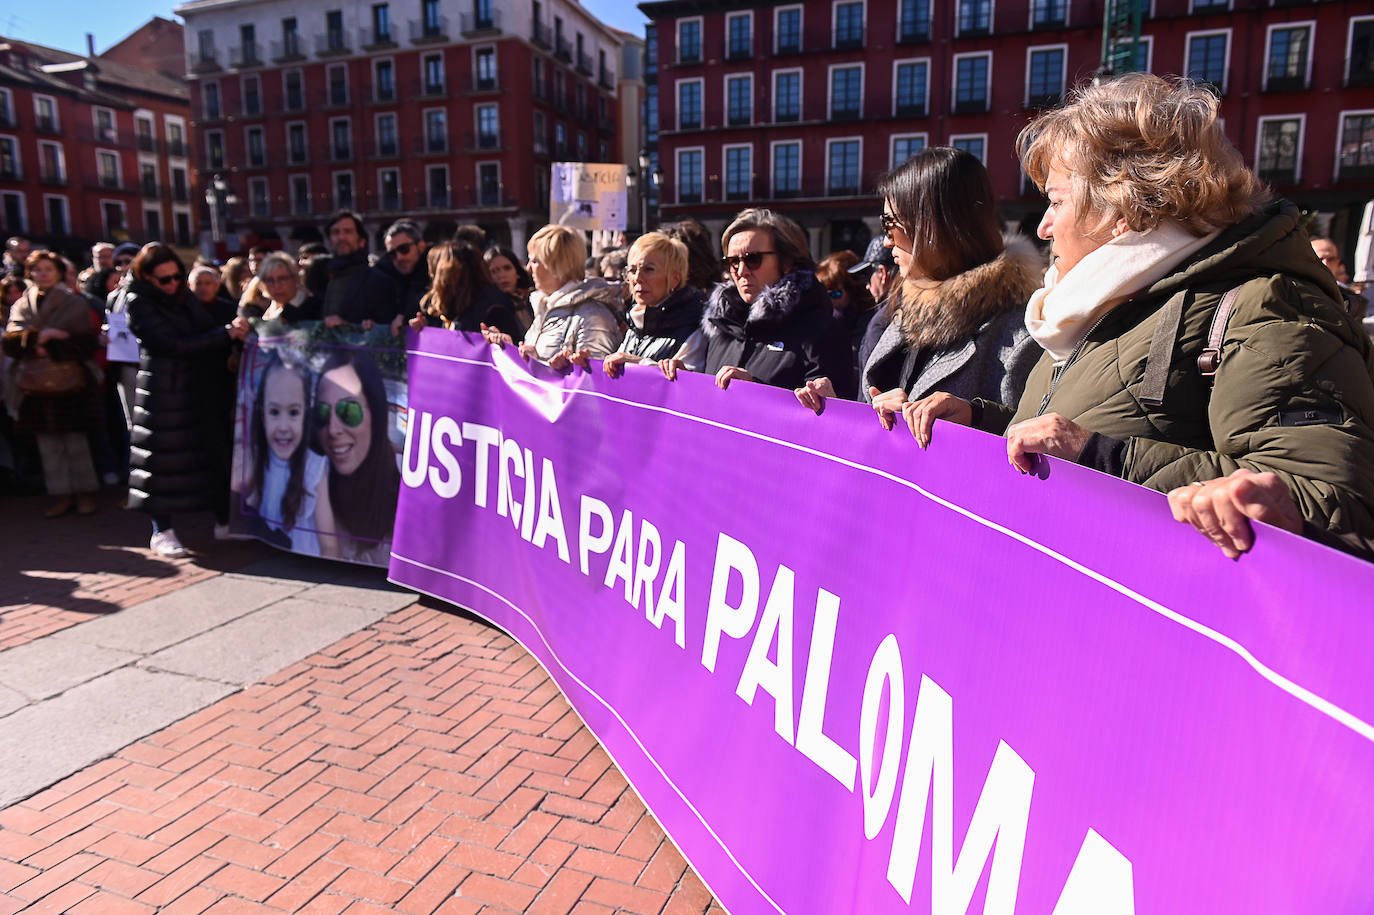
x=773, y=322
x=959, y=326
x=181, y=443
x=351, y=417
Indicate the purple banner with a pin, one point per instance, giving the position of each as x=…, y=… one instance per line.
x=848, y=675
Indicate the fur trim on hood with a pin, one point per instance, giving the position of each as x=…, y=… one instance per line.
x=774, y=305
x=935, y=313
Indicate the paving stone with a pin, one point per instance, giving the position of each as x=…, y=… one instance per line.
x=49, y=667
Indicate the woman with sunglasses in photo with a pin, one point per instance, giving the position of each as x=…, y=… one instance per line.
x=51, y=325
x=181, y=445
x=351, y=417
x=462, y=296
x=959, y=322
x=773, y=322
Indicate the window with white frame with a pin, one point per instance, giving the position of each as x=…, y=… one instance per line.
x=112, y=214
x=176, y=137
x=975, y=17
x=842, y=170
x=1130, y=55
x=152, y=224
x=337, y=77
x=484, y=67
x=689, y=175
x=45, y=114
x=388, y=141
x=11, y=168
x=739, y=99
x=258, y=200
x=739, y=172
x=297, y=143
x=489, y=184
x=255, y=147
x=971, y=73
x=787, y=168
x=1045, y=68
x=340, y=139
x=7, y=113
x=300, y=195
x=105, y=131
x=787, y=95
x=107, y=168
x=689, y=104
x=1210, y=6
x=147, y=178
x=143, y=132
x=975, y=144
x=209, y=100
x=436, y=130
x=1278, y=156
x=52, y=163
x=739, y=35
x=906, y=145
x=849, y=24
x=389, y=189
x=293, y=90
x=1360, y=52
x=58, y=212
x=846, y=92
x=488, y=126
x=1208, y=53
x=343, y=190
x=437, y=186
x=1288, y=59
x=913, y=20
x=911, y=81
x=689, y=41
x=250, y=89
x=1356, y=149
x=787, y=30
x=384, y=80
x=182, y=219
x=433, y=65
x=1049, y=14
x=181, y=185
x=16, y=216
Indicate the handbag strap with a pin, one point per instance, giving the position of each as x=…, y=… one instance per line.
x=1210, y=359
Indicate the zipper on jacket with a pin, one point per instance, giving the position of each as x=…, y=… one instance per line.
x=1073, y=357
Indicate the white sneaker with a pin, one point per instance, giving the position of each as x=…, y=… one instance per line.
x=165, y=543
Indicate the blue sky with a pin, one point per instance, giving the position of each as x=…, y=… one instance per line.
x=64, y=24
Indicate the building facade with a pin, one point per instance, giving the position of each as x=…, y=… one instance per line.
x=440, y=111
x=93, y=148
x=804, y=105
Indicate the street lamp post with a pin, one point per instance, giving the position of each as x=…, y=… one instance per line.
x=219, y=197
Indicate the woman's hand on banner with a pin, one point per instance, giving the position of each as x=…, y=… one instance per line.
x=1222, y=509
x=614, y=364
x=671, y=367
x=418, y=323
x=1050, y=434
x=812, y=395
x=887, y=404
x=731, y=373
x=920, y=415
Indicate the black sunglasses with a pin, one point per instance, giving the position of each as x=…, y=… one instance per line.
x=164, y=280
x=753, y=260
x=402, y=249
x=349, y=411
x=888, y=222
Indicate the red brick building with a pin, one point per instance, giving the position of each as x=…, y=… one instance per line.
x=93, y=148
x=438, y=114
x=804, y=105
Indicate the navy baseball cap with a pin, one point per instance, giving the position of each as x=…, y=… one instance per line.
x=876, y=255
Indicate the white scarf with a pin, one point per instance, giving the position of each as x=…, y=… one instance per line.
x=1060, y=313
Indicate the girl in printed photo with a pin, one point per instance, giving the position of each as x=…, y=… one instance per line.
x=284, y=480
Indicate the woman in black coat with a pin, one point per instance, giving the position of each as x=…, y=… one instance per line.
x=180, y=439
x=462, y=295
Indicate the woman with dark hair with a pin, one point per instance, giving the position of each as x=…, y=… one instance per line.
x=461, y=295
x=772, y=324
x=180, y=442
x=959, y=326
x=351, y=418
x=53, y=387
x=511, y=277
x=849, y=296
x=703, y=267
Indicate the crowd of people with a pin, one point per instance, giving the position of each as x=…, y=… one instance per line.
x=1183, y=331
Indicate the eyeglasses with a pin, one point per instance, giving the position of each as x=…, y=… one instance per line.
x=887, y=222
x=167, y=280
x=837, y=293
x=402, y=249
x=349, y=411
x=752, y=260
x=634, y=270
x=276, y=278
x=123, y=261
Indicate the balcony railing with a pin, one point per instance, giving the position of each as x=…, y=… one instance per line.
x=562, y=50
x=331, y=44
x=739, y=50
x=245, y=55
x=472, y=24
x=10, y=174
x=180, y=194
x=431, y=144
x=205, y=61
x=423, y=88
x=971, y=105
x=46, y=125
x=541, y=35
x=370, y=39
x=341, y=152
x=1361, y=70
x=606, y=79
x=176, y=148
x=149, y=189
x=485, y=141
x=146, y=142
x=911, y=109
x=423, y=31
x=584, y=63
x=541, y=147
x=287, y=50
x=489, y=198
x=492, y=83
x=383, y=94
x=108, y=182
x=55, y=179
x=1286, y=83
x=913, y=31
x=9, y=120
x=335, y=96
x=388, y=148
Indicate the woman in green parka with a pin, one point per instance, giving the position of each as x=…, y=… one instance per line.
x=1161, y=240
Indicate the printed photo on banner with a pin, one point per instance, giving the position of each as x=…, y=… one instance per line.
x=319, y=430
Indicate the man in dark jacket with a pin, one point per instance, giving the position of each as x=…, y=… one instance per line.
x=357, y=293
x=407, y=267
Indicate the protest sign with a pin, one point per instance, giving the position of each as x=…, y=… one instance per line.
x=318, y=427
x=848, y=675
x=588, y=195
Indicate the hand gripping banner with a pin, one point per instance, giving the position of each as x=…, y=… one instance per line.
x=848, y=675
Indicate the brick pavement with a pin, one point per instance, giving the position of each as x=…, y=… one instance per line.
x=424, y=764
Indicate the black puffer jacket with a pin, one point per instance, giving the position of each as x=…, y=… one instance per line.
x=786, y=337
x=667, y=325
x=358, y=293
x=179, y=444
x=410, y=287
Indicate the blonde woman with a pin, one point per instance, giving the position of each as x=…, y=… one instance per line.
x=665, y=315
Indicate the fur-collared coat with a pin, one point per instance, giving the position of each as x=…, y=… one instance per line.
x=965, y=335
x=60, y=309
x=787, y=336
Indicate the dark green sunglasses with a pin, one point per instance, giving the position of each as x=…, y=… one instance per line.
x=349, y=411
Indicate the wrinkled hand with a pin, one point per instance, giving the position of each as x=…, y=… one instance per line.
x=333, y=321
x=494, y=336
x=1050, y=434
x=527, y=350
x=1222, y=509
x=581, y=358
x=419, y=323
x=887, y=404
x=563, y=359
x=812, y=395
x=671, y=367
x=920, y=415
x=614, y=364
x=731, y=373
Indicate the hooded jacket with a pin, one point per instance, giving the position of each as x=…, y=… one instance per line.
x=1293, y=393
x=965, y=335
x=787, y=336
x=578, y=316
x=666, y=326
x=180, y=441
